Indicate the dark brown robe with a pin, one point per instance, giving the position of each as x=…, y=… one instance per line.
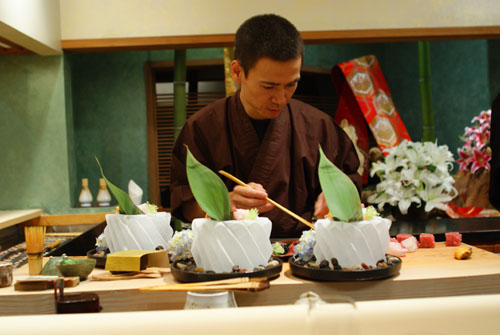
x=222, y=137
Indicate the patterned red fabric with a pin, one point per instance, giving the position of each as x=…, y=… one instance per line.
x=365, y=97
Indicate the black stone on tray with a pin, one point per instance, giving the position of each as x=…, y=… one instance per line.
x=200, y=274
x=324, y=264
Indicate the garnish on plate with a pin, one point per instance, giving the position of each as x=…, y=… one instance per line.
x=245, y=214
x=341, y=195
x=208, y=189
x=278, y=249
x=125, y=203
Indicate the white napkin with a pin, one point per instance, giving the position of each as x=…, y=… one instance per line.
x=135, y=192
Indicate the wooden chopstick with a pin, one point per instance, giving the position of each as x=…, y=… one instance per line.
x=151, y=272
x=236, y=280
x=292, y=214
x=208, y=286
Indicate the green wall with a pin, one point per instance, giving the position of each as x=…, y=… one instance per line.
x=33, y=134
x=109, y=110
x=57, y=112
x=109, y=106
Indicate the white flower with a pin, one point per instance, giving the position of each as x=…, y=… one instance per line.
x=101, y=243
x=148, y=208
x=414, y=172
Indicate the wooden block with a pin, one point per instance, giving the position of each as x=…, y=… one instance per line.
x=38, y=283
x=136, y=260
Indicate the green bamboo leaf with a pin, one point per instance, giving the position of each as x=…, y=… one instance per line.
x=341, y=194
x=208, y=189
x=126, y=204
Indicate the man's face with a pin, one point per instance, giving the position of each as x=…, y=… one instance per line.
x=267, y=87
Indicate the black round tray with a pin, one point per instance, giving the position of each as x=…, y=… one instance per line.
x=337, y=275
x=193, y=277
x=100, y=261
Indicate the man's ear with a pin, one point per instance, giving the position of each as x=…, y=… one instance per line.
x=237, y=71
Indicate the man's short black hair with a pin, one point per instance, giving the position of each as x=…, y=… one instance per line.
x=267, y=35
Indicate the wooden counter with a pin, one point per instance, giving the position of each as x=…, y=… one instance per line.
x=425, y=273
x=13, y=217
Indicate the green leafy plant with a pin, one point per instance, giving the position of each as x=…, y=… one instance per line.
x=125, y=203
x=340, y=193
x=208, y=189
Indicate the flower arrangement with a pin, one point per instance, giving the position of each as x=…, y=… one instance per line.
x=305, y=248
x=179, y=246
x=414, y=172
x=476, y=152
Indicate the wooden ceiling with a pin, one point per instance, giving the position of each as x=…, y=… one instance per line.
x=10, y=48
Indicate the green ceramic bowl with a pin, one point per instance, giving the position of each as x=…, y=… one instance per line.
x=82, y=268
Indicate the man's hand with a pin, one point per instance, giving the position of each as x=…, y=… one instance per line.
x=247, y=198
x=320, y=207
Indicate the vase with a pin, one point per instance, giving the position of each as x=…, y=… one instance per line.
x=141, y=231
x=85, y=197
x=103, y=196
x=352, y=243
x=220, y=245
x=202, y=300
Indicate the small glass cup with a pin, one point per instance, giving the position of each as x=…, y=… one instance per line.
x=200, y=300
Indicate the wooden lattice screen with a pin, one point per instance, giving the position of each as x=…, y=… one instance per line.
x=165, y=127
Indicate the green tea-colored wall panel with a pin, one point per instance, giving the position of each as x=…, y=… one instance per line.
x=74, y=186
x=34, y=169
x=399, y=64
x=109, y=107
x=110, y=117
x=327, y=56
x=208, y=53
x=459, y=87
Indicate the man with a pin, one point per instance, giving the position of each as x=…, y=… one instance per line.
x=261, y=135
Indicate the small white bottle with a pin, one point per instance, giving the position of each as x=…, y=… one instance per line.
x=103, y=196
x=85, y=197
